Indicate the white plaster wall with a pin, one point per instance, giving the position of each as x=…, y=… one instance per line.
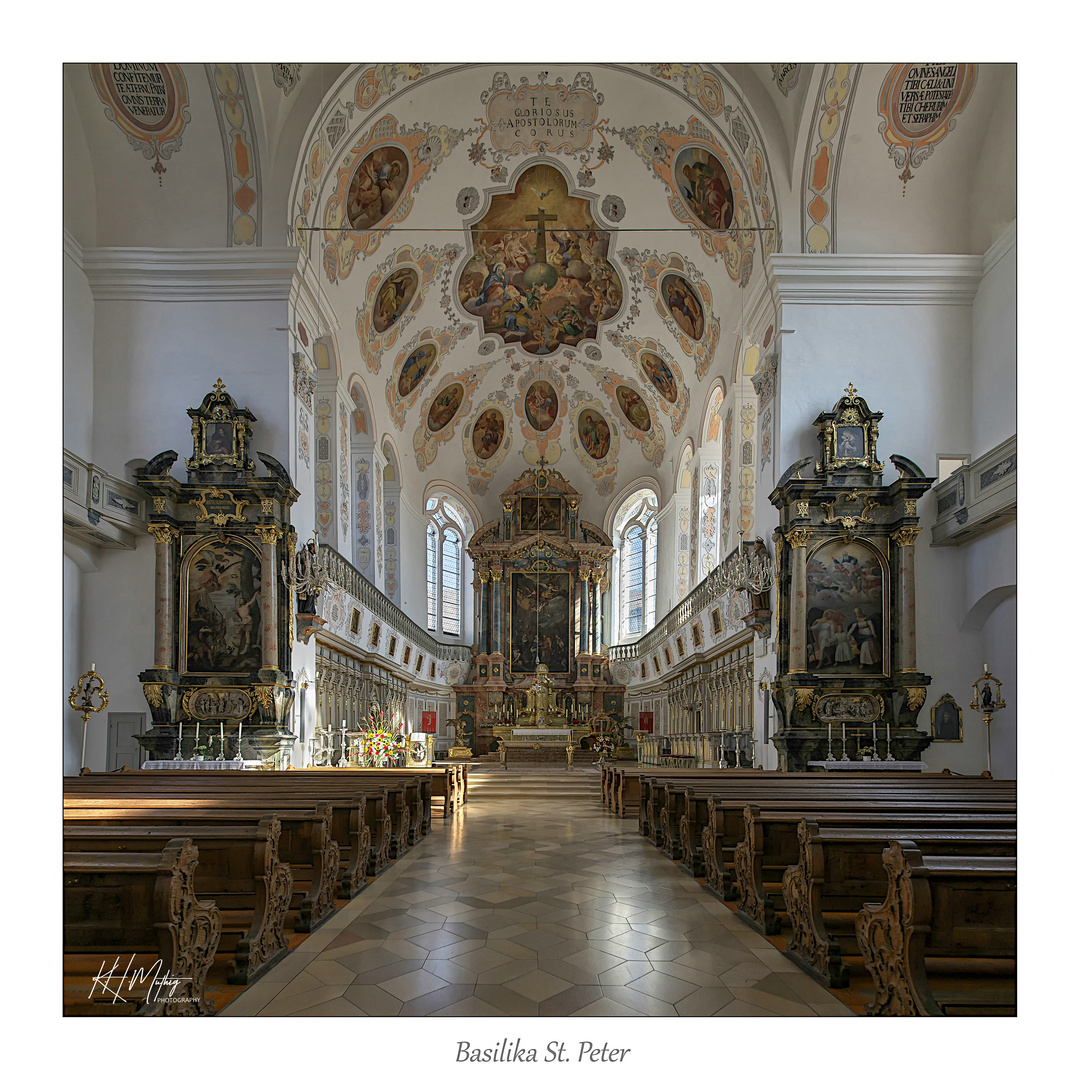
x=994, y=358
x=73, y=663
x=413, y=565
x=78, y=380
x=117, y=634
x=153, y=360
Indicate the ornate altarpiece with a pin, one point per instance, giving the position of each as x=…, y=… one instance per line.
x=223, y=627
x=846, y=592
x=541, y=573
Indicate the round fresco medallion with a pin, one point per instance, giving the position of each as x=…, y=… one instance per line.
x=634, y=409
x=541, y=405
x=376, y=186
x=682, y=300
x=393, y=297
x=594, y=433
x=660, y=375
x=445, y=406
x=416, y=366
x=704, y=186
x=487, y=433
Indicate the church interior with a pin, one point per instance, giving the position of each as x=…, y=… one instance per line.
x=692, y=388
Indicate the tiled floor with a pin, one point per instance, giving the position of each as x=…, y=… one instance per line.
x=535, y=907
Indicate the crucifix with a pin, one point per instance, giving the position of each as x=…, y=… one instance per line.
x=541, y=217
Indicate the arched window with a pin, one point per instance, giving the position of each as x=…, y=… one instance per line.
x=635, y=530
x=445, y=541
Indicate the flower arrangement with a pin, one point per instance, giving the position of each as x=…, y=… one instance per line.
x=381, y=738
x=603, y=745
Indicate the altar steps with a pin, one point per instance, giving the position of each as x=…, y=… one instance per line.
x=535, y=782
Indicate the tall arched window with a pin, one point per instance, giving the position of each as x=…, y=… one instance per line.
x=445, y=541
x=635, y=530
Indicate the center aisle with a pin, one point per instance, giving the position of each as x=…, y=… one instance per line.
x=535, y=907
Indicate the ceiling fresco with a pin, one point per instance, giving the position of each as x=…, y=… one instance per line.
x=573, y=243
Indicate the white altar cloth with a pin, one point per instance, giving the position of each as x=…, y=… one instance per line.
x=871, y=766
x=199, y=764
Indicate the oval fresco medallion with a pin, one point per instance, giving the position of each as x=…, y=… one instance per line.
x=660, y=375
x=682, y=300
x=376, y=186
x=594, y=433
x=445, y=406
x=541, y=405
x=634, y=409
x=393, y=297
x=416, y=366
x=487, y=433
x=705, y=187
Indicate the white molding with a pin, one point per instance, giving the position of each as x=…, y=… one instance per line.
x=73, y=249
x=876, y=279
x=185, y=274
x=999, y=248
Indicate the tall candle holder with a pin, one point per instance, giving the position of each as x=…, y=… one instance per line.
x=830, y=757
x=178, y=756
x=81, y=699
x=987, y=699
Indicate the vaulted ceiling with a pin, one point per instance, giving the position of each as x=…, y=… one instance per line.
x=508, y=263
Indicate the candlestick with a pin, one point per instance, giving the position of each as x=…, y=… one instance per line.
x=221, y=742
x=830, y=757
x=239, y=736
x=888, y=742
x=843, y=742
x=875, y=756
x=179, y=738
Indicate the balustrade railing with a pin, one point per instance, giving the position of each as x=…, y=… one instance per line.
x=346, y=577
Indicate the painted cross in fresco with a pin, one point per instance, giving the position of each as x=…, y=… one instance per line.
x=541, y=217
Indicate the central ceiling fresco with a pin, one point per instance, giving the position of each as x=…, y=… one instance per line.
x=534, y=262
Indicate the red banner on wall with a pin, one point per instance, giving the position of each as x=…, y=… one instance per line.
x=427, y=723
x=645, y=721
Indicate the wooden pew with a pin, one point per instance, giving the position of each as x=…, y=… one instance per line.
x=305, y=844
x=726, y=828
x=133, y=920
x=771, y=845
x=943, y=941
x=239, y=870
x=839, y=870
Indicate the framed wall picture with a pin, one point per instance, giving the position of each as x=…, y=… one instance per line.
x=376, y=630
x=392, y=648
x=406, y=654
x=947, y=720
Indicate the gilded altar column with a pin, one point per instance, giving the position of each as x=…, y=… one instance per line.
x=905, y=538
x=164, y=616
x=269, y=535
x=798, y=539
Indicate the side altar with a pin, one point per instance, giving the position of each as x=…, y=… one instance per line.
x=223, y=627
x=847, y=677
x=540, y=661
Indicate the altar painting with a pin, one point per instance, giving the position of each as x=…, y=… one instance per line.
x=846, y=625
x=540, y=513
x=221, y=612
x=540, y=621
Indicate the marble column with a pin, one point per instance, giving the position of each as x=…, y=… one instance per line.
x=269, y=535
x=798, y=539
x=496, y=643
x=164, y=611
x=485, y=610
x=583, y=589
x=905, y=538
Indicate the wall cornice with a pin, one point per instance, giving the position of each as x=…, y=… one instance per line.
x=876, y=279
x=999, y=248
x=184, y=274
